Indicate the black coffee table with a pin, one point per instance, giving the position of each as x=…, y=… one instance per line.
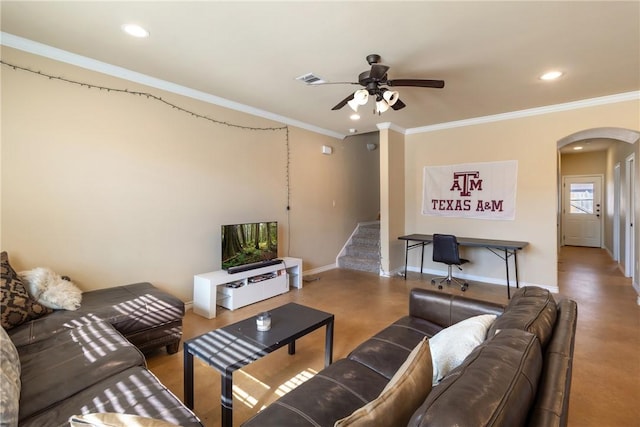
x=234, y=346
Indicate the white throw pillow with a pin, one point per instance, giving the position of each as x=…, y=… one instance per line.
x=51, y=290
x=452, y=345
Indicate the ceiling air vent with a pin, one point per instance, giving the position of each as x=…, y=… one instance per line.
x=311, y=79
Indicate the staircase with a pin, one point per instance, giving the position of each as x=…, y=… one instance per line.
x=362, y=252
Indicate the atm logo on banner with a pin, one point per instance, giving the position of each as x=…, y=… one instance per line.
x=484, y=190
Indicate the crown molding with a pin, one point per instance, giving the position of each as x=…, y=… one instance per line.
x=392, y=126
x=591, y=102
x=56, y=54
x=50, y=52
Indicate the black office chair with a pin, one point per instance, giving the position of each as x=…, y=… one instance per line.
x=445, y=250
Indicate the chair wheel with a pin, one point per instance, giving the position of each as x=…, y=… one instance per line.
x=463, y=289
x=433, y=282
x=439, y=286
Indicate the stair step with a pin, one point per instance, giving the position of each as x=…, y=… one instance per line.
x=368, y=252
x=363, y=251
x=366, y=241
x=360, y=264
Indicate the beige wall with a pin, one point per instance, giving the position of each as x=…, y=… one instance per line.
x=392, y=199
x=590, y=163
x=112, y=188
x=532, y=141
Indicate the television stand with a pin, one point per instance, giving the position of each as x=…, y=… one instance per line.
x=235, y=290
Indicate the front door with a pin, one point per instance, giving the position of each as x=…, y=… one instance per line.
x=582, y=211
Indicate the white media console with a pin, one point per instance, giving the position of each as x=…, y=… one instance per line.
x=239, y=289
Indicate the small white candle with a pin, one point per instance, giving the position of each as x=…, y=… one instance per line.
x=263, y=321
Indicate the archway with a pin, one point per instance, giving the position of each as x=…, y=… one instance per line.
x=621, y=176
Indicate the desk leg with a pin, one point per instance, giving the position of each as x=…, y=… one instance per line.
x=506, y=265
x=292, y=347
x=422, y=258
x=188, y=379
x=227, y=399
x=328, y=344
x=515, y=262
x=406, y=258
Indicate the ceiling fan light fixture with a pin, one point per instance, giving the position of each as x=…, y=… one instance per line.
x=381, y=106
x=391, y=96
x=361, y=96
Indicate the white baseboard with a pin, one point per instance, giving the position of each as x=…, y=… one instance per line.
x=320, y=269
x=473, y=278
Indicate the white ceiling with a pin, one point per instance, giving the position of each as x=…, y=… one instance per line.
x=490, y=54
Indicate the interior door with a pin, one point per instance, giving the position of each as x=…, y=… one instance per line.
x=581, y=213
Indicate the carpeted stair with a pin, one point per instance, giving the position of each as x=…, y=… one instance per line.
x=363, y=250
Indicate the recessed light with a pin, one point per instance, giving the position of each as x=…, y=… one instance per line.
x=352, y=130
x=578, y=147
x=135, y=30
x=551, y=75
x=355, y=116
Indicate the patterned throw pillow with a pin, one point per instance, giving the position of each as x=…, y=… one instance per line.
x=10, y=381
x=17, y=305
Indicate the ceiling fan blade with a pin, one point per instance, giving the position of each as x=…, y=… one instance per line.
x=398, y=105
x=378, y=71
x=342, y=103
x=438, y=84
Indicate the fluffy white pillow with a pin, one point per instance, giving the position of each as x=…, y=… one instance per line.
x=452, y=345
x=51, y=290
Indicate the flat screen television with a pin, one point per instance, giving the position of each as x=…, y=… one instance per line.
x=250, y=245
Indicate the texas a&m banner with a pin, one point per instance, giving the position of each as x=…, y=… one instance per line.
x=471, y=190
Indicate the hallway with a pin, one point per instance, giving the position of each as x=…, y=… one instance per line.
x=605, y=388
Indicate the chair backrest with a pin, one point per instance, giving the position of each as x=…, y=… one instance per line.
x=445, y=249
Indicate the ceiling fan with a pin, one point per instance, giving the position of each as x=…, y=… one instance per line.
x=374, y=80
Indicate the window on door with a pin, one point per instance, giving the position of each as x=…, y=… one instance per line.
x=581, y=198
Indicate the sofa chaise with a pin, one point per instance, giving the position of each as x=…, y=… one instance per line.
x=89, y=361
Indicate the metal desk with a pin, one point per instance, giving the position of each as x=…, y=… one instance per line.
x=501, y=248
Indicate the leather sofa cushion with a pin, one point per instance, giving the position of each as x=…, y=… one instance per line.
x=444, y=310
x=495, y=386
x=332, y=394
x=406, y=390
x=56, y=368
x=531, y=309
x=132, y=310
x=133, y=391
x=386, y=351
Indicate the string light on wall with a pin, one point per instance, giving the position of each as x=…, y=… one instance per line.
x=153, y=97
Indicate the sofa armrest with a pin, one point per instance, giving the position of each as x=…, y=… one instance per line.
x=445, y=309
x=551, y=408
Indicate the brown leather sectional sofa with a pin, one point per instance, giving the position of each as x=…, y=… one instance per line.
x=91, y=360
x=519, y=376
